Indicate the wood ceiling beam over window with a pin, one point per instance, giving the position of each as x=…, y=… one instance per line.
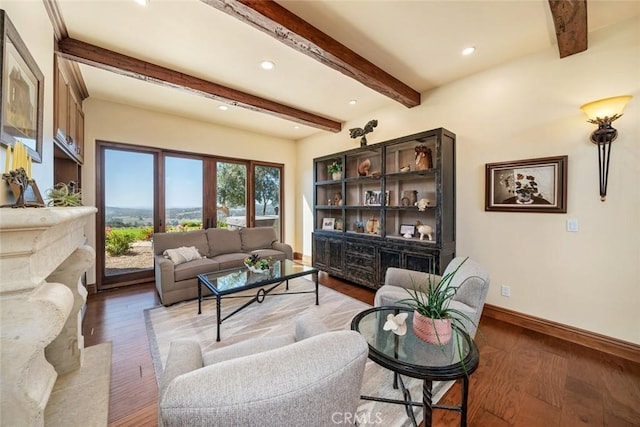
x=85, y=53
x=276, y=21
x=570, y=20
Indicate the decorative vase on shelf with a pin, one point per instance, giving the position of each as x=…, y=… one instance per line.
x=336, y=176
x=433, y=331
x=409, y=198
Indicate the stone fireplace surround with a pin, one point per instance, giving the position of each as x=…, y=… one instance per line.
x=45, y=378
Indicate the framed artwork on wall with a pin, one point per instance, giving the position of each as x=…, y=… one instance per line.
x=532, y=185
x=21, y=112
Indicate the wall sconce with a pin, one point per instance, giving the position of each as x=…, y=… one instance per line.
x=602, y=112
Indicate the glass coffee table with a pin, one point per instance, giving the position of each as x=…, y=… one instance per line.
x=224, y=283
x=410, y=356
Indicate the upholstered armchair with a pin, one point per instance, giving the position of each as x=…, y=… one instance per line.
x=471, y=279
x=312, y=377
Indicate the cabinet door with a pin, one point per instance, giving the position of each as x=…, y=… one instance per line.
x=61, y=110
x=80, y=135
x=327, y=254
x=387, y=258
x=72, y=136
x=335, y=255
x=421, y=262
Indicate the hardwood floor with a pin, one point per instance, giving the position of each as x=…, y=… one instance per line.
x=524, y=379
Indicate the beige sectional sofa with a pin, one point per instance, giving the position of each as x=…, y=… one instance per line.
x=221, y=249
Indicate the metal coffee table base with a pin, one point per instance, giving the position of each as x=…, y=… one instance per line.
x=259, y=298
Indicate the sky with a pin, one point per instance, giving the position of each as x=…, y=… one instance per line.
x=129, y=180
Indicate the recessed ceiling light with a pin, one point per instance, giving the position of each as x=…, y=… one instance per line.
x=223, y=107
x=353, y=102
x=468, y=50
x=267, y=65
x=142, y=2
x=296, y=127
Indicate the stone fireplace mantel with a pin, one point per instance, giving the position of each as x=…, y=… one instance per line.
x=42, y=256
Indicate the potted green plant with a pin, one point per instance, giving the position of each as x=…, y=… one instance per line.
x=255, y=264
x=64, y=195
x=335, y=169
x=432, y=314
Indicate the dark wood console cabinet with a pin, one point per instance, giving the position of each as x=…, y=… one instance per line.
x=362, y=216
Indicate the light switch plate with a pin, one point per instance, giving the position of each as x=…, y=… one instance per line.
x=572, y=225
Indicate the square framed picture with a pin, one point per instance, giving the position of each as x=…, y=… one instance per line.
x=328, y=223
x=372, y=198
x=22, y=108
x=533, y=185
x=407, y=229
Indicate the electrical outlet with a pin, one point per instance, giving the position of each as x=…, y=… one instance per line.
x=505, y=291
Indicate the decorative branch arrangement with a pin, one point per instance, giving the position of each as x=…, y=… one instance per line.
x=22, y=186
x=368, y=128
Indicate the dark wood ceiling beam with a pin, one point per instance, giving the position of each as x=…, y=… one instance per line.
x=278, y=22
x=85, y=53
x=570, y=20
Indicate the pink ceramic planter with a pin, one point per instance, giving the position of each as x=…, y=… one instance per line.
x=433, y=331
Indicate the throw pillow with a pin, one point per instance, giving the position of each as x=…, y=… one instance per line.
x=182, y=254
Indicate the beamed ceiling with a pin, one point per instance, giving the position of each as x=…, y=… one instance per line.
x=188, y=57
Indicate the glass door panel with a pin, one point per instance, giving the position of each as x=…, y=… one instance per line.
x=231, y=195
x=128, y=191
x=183, y=193
x=267, y=195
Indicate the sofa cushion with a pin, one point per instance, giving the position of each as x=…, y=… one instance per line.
x=164, y=241
x=223, y=241
x=266, y=253
x=257, y=238
x=182, y=254
x=226, y=261
x=191, y=269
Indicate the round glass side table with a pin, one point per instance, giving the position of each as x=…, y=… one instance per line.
x=408, y=355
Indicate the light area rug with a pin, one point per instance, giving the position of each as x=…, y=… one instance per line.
x=276, y=316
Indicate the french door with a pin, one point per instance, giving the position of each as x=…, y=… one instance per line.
x=127, y=201
x=143, y=190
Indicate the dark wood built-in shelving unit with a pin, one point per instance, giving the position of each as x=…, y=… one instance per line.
x=376, y=199
x=68, y=126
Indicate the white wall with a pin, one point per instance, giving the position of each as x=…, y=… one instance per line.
x=34, y=27
x=113, y=122
x=525, y=109
x=528, y=109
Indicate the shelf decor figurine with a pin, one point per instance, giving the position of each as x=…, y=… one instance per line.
x=368, y=128
x=424, y=158
x=363, y=167
x=424, y=230
x=372, y=225
x=422, y=204
x=409, y=198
